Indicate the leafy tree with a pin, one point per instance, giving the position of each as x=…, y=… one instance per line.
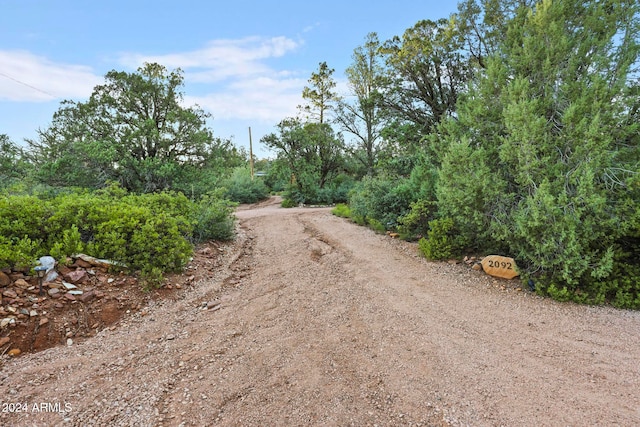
x=13, y=164
x=426, y=70
x=543, y=156
x=320, y=95
x=312, y=151
x=363, y=118
x=133, y=130
x=482, y=25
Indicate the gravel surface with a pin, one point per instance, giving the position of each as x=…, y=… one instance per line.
x=312, y=320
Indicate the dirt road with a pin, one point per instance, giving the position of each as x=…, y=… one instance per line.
x=316, y=321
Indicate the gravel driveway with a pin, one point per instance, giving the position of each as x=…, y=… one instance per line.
x=313, y=320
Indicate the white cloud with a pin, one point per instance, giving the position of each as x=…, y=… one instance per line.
x=235, y=79
x=27, y=77
x=265, y=99
x=221, y=59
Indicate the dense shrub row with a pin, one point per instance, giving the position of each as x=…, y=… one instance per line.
x=150, y=233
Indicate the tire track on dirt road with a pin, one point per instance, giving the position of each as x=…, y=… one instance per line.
x=322, y=322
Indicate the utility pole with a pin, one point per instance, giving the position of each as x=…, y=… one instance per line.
x=250, y=153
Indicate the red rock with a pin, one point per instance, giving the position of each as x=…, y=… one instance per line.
x=69, y=297
x=16, y=275
x=21, y=283
x=5, y=280
x=64, y=270
x=76, y=276
x=43, y=321
x=4, y=340
x=500, y=266
x=87, y=296
x=10, y=293
x=82, y=263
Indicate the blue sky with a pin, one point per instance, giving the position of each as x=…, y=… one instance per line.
x=245, y=62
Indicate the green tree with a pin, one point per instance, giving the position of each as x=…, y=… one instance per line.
x=312, y=151
x=426, y=70
x=133, y=130
x=13, y=164
x=363, y=117
x=543, y=154
x=320, y=95
x=482, y=25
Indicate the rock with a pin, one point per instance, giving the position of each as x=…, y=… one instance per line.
x=53, y=292
x=82, y=263
x=76, y=276
x=4, y=340
x=21, y=283
x=500, y=266
x=69, y=297
x=5, y=280
x=477, y=267
x=14, y=352
x=87, y=296
x=95, y=262
x=10, y=293
x=43, y=321
x=76, y=292
x=213, y=304
x=48, y=262
x=69, y=286
x=69, y=342
x=50, y=276
x=33, y=313
x=5, y=322
x=394, y=235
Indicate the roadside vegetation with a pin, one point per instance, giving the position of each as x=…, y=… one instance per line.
x=509, y=128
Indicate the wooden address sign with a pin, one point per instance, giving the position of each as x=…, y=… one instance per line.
x=500, y=266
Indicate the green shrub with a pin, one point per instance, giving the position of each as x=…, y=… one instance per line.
x=150, y=233
x=70, y=244
x=440, y=242
x=376, y=226
x=213, y=218
x=288, y=203
x=416, y=222
x=242, y=189
x=342, y=210
x=380, y=199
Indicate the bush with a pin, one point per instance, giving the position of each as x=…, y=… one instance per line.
x=440, y=242
x=376, y=226
x=342, y=210
x=288, y=203
x=379, y=199
x=213, y=218
x=150, y=233
x=242, y=189
x=416, y=222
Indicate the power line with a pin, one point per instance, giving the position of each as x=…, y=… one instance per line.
x=26, y=84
